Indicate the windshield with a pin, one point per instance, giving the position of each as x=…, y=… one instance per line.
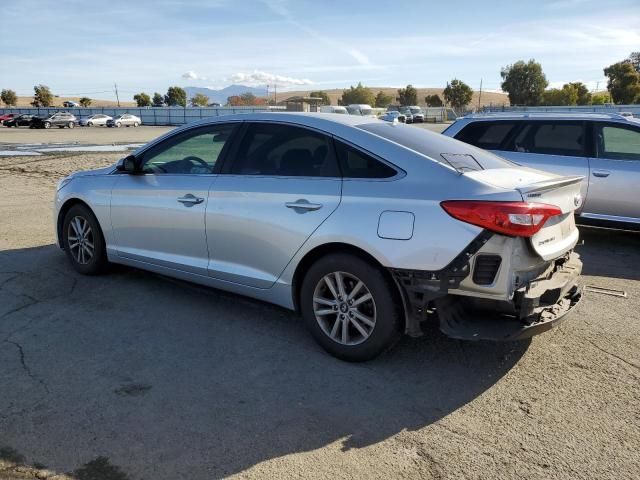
x=445, y=150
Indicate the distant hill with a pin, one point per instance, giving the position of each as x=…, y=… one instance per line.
x=488, y=98
x=220, y=96
x=25, y=102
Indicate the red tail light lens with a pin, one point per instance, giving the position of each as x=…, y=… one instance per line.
x=515, y=219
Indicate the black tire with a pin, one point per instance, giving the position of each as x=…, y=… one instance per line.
x=89, y=124
x=118, y=125
x=135, y=124
x=47, y=125
x=98, y=261
x=387, y=328
x=71, y=125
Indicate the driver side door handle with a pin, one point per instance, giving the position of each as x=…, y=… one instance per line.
x=190, y=200
x=601, y=173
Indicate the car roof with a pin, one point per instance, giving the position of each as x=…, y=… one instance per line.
x=550, y=116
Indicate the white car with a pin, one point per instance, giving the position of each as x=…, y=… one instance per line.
x=98, y=119
x=126, y=120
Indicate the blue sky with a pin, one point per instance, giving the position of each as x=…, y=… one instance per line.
x=83, y=47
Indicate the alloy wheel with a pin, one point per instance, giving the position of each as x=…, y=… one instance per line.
x=344, y=308
x=80, y=240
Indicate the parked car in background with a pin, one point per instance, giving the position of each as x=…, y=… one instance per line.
x=70, y=104
x=360, y=225
x=23, y=120
x=393, y=116
x=334, y=109
x=361, y=109
x=126, y=120
x=417, y=114
x=59, y=119
x=99, y=119
x=408, y=115
x=7, y=116
x=604, y=149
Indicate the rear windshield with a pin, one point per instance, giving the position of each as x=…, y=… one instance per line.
x=440, y=148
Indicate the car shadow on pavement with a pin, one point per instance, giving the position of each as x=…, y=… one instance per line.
x=171, y=380
x=610, y=253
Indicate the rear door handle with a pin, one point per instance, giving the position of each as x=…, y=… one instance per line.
x=303, y=205
x=189, y=200
x=601, y=173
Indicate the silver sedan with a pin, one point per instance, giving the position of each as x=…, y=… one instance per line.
x=98, y=119
x=365, y=227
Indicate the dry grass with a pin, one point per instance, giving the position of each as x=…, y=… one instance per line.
x=58, y=101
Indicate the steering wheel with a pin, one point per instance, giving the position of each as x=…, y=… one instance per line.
x=193, y=158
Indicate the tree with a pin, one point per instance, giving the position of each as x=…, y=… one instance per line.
x=158, y=100
x=199, y=100
x=357, y=95
x=85, y=102
x=144, y=100
x=600, y=98
x=583, y=94
x=42, y=96
x=176, y=96
x=458, y=94
x=433, y=100
x=383, y=100
x=624, y=83
x=323, y=95
x=634, y=58
x=524, y=82
x=407, y=96
x=567, y=95
x=247, y=99
x=9, y=97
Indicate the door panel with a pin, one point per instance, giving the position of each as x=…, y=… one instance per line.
x=152, y=225
x=615, y=174
x=253, y=234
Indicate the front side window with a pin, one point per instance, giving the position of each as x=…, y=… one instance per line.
x=196, y=152
x=284, y=150
x=618, y=143
x=552, y=138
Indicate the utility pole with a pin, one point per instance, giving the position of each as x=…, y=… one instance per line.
x=115, y=85
x=275, y=94
x=480, y=94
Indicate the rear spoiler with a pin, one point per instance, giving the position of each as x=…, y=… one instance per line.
x=552, y=184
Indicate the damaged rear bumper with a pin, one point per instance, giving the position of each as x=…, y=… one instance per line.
x=536, y=307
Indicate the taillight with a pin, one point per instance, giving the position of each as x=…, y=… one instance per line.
x=516, y=219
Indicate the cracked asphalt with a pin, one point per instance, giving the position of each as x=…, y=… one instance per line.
x=132, y=375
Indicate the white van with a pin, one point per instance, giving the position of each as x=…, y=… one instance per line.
x=333, y=109
x=361, y=109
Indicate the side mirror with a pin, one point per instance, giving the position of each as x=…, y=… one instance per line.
x=128, y=165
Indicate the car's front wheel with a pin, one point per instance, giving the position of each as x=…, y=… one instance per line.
x=89, y=124
x=350, y=307
x=83, y=241
x=118, y=124
x=71, y=125
x=135, y=124
x=47, y=125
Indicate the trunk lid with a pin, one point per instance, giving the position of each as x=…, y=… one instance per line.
x=559, y=234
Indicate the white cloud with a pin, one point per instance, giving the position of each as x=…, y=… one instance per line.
x=263, y=78
x=191, y=75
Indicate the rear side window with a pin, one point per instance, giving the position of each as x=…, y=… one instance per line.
x=618, y=143
x=551, y=138
x=284, y=150
x=357, y=164
x=487, y=135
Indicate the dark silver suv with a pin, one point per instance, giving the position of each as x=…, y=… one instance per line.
x=603, y=148
x=59, y=119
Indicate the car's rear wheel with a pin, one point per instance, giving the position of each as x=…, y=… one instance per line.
x=89, y=124
x=83, y=241
x=350, y=307
x=135, y=124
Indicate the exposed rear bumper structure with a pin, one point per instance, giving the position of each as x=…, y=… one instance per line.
x=537, y=306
